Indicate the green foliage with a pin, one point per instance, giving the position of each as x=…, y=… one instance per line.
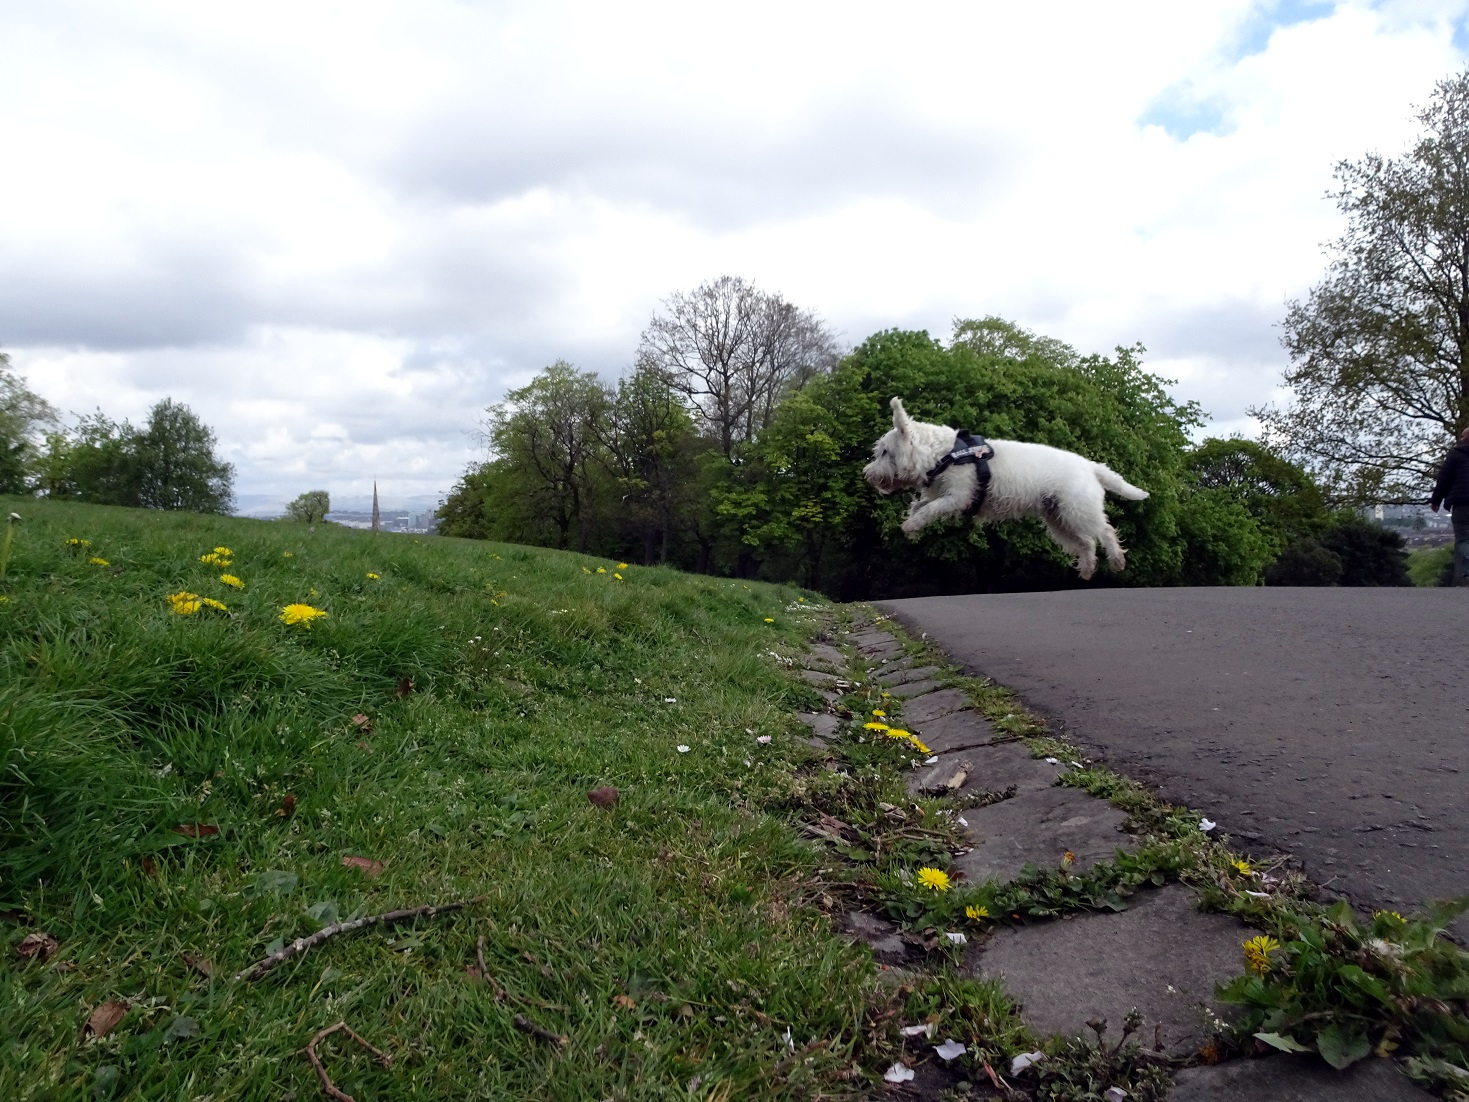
x=1305, y=563
x=1370, y=554
x=1348, y=988
x=310, y=508
x=1284, y=500
x=1431, y=566
x=1225, y=543
x=168, y=463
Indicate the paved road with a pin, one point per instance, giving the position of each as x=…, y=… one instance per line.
x=1333, y=723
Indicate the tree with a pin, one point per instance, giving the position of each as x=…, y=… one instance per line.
x=177, y=467
x=310, y=507
x=547, y=436
x=1282, y=498
x=167, y=464
x=649, y=445
x=735, y=352
x=1380, y=349
x=23, y=413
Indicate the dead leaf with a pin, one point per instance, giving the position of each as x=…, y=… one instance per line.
x=196, y=830
x=37, y=945
x=405, y=686
x=364, y=724
x=623, y=1002
x=287, y=808
x=202, y=965
x=366, y=864
x=149, y=867
x=606, y=796
x=104, y=1019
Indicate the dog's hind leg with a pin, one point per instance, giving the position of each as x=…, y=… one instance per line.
x=1082, y=547
x=1116, y=556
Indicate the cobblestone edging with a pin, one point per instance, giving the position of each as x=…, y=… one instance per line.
x=1161, y=955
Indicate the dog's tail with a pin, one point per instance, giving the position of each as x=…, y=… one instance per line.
x=1118, y=485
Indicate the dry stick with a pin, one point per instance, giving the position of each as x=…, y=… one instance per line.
x=525, y=1025
x=302, y=944
x=326, y=1082
x=484, y=971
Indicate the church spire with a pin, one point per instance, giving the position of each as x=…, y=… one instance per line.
x=376, y=518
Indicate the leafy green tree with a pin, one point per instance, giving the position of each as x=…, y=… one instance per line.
x=547, y=435
x=648, y=443
x=23, y=413
x=1225, y=543
x=1282, y=498
x=169, y=463
x=1380, y=349
x=310, y=508
x=1370, y=554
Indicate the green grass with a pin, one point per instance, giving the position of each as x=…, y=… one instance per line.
x=1430, y=566
x=533, y=682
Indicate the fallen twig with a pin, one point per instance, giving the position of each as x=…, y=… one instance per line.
x=302, y=944
x=484, y=970
x=327, y=1085
x=525, y=1025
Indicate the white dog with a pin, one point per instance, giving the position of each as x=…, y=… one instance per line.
x=1064, y=489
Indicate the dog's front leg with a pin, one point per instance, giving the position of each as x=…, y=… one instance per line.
x=925, y=512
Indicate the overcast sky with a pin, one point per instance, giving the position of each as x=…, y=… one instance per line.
x=338, y=232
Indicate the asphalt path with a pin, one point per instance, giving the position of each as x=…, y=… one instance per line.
x=1329, y=723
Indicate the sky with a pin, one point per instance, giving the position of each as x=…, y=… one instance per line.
x=339, y=231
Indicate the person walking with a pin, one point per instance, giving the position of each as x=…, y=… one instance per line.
x=1452, y=489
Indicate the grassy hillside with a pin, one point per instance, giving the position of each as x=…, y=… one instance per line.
x=667, y=937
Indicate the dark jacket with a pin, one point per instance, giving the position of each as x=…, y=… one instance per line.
x=1452, y=487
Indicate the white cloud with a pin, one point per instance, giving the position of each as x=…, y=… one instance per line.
x=339, y=231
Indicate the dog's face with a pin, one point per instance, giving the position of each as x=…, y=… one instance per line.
x=894, y=464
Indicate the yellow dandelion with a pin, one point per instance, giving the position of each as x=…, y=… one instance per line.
x=918, y=745
x=183, y=603
x=210, y=602
x=801, y=600
x=372, y=577
x=1393, y=914
x=601, y=570
x=288, y=554
x=584, y=570
x=232, y=581
x=617, y=576
x=301, y=614
x=879, y=712
x=1244, y=868
x=976, y=913
x=897, y=733
x=769, y=619
x=622, y=566
x=78, y=545
x=3, y=598
x=223, y=551
x=95, y=561
x=1257, y=953
x=214, y=558
x=876, y=725
x=934, y=879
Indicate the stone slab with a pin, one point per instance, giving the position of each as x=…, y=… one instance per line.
x=825, y=652
x=824, y=679
x=871, y=639
x=907, y=674
x=882, y=936
x=1295, y=1079
x=994, y=768
x=901, y=663
x=957, y=729
x=822, y=725
x=924, y=709
x=1038, y=828
x=882, y=653
x=912, y=689
x=1160, y=955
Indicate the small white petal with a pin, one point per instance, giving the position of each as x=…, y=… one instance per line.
x=1258, y=895
x=670, y=700
x=1207, y=825
x=949, y=1050
x=789, y=1040
x=1024, y=1060
x=1053, y=761
x=763, y=740
x=932, y=761
x=898, y=1073
x=1114, y=1094
x=914, y=1030
x=682, y=749
x=957, y=939
x=963, y=820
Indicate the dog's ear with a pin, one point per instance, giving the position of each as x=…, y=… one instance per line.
x=901, y=420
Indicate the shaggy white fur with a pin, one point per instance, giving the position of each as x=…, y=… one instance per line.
x=1064, y=489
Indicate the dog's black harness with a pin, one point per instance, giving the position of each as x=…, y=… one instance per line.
x=968, y=448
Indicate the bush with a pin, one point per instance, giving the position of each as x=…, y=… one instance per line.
x=1432, y=566
x=1370, y=554
x=1305, y=562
